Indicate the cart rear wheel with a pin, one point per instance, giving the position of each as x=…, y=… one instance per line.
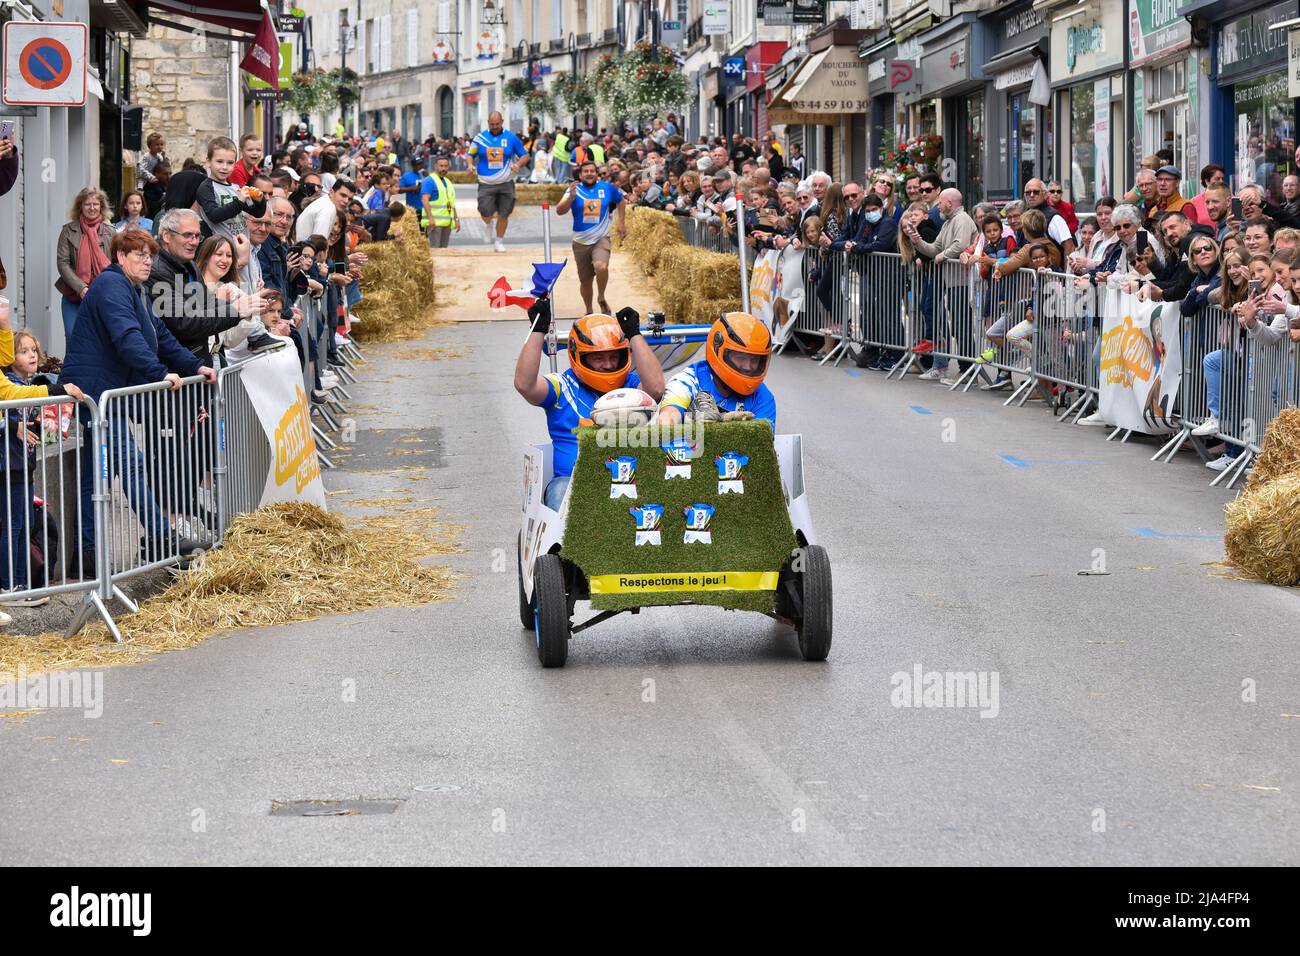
x=814, y=627
x=525, y=605
x=551, y=607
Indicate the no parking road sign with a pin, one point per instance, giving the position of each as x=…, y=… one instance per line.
x=45, y=63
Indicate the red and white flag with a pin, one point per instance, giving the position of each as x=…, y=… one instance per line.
x=263, y=56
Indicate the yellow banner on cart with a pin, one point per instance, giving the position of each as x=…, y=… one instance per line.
x=684, y=581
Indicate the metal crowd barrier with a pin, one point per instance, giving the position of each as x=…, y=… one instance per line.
x=1033, y=332
x=46, y=461
x=706, y=235
x=101, y=493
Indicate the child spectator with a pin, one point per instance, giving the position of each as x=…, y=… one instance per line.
x=221, y=203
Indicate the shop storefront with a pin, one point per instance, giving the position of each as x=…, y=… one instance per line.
x=760, y=58
x=880, y=126
x=828, y=88
x=951, y=78
x=1253, y=116
x=1169, y=74
x=1019, y=130
x=1087, y=76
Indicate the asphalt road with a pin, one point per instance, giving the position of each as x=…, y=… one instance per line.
x=1120, y=737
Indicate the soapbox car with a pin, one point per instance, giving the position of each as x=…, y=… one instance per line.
x=746, y=544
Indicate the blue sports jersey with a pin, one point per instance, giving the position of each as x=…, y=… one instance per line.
x=681, y=388
x=568, y=401
x=592, y=209
x=494, y=155
x=411, y=178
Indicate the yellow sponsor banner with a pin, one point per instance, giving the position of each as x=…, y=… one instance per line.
x=683, y=581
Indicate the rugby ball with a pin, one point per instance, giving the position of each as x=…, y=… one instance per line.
x=623, y=407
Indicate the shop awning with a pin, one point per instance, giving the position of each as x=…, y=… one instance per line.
x=831, y=85
x=242, y=16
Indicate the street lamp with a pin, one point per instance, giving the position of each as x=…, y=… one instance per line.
x=573, y=70
x=345, y=30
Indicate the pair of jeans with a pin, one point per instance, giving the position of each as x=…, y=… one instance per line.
x=14, y=547
x=69, y=310
x=553, y=497
x=128, y=466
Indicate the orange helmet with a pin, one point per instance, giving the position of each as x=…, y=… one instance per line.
x=734, y=335
x=599, y=333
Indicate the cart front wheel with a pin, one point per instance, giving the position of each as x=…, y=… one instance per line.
x=814, y=626
x=551, y=611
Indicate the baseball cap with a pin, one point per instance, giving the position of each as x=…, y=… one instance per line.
x=1169, y=171
x=292, y=174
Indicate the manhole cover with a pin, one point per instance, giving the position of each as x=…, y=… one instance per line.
x=332, y=808
x=436, y=787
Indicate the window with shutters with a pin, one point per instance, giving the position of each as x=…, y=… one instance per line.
x=412, y=37
x=557, y=18
x=385, y=43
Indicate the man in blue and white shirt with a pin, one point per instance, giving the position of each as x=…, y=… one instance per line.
x=499, y=155
x=593, y=204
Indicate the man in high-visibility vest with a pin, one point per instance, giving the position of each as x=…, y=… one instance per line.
x=588, y=150
x=438, y=199
x=560, y=153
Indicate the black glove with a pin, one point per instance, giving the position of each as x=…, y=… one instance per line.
x=540, y=313
x=629, y=320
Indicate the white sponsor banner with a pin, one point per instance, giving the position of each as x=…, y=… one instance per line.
x=273, y=382
x=1141, y=362
x=762, y=285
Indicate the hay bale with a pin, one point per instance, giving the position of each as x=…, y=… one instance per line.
x=1280, y=452
x=462, y=177
x=696, y=286
x=397, y=286
x=534, y=194
x=1263, y=534
x=282, y=564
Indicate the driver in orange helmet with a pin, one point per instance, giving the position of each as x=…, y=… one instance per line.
x=602, y=350
x=737, y=354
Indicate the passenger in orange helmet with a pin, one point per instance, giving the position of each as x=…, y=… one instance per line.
x=602, y=351
x=737, y=355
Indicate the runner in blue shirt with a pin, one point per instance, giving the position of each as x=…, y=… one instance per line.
x=499, y=156
x=592, y=203
x=602, y=349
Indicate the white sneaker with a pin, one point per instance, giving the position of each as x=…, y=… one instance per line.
x=340, y=339
x=930, y=376
x=5, y=619
x=950, y=380
x=1093, y=419
x=1208, y=427
x=499, y=245
x=328, y=380
x=487, y=236
x=22, y=601
x=1222, y=463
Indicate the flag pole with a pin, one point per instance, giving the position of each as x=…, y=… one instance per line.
x=546, y=254
x=740, y=235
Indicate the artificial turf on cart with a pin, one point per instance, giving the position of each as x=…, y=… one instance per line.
x=751, y=532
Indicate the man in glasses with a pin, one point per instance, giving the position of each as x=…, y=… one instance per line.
x=1056, y=199
x=931, y=186
x=1058, y=230
x=179, y=299
x=1180, y=234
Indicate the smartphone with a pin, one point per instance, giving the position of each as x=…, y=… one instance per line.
x=1255, y=287
x=339, y=268
x=1236, y=208
x=7, y=129
x=1141, y=243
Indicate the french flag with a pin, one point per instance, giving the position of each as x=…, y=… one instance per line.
x=545, y=274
